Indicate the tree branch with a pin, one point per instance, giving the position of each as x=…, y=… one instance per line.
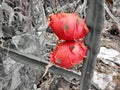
x=110, y=14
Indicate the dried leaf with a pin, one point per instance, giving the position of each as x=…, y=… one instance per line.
x=11, y=15
x=9, y=10
x=21, y=16
x=1, y=19
x=6, y=7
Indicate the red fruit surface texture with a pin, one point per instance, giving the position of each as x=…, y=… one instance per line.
x=68, y=54
x=68, y=26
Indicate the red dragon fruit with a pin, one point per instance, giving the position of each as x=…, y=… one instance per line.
x=69, y=53
x=68, y=26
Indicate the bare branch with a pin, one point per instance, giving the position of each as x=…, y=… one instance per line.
x=111, y=15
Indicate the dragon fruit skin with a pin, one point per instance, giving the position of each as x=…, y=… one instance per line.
x=69, y=53
x=68, y=26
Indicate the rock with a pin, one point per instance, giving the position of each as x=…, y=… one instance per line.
x=109, y=55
